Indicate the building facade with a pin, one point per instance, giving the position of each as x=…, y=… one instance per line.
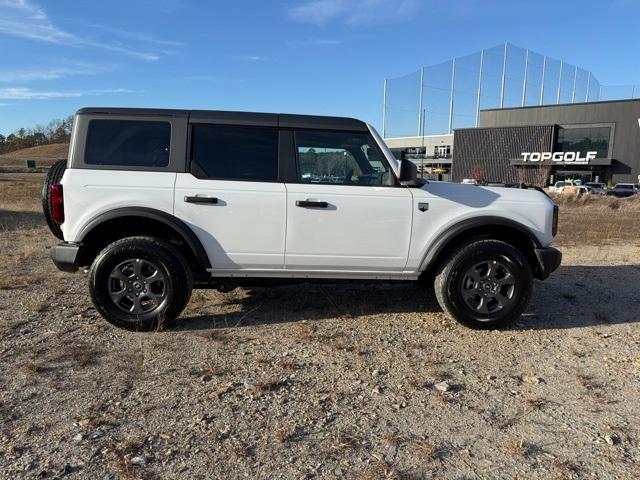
x=432, y=154
x=595, y=141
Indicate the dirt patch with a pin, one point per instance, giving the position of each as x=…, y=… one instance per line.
x=319, y=382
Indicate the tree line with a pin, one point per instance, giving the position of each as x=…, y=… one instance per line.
x=56, y=131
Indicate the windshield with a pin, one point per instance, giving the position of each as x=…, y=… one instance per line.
x=594, y=185
x=623, y=186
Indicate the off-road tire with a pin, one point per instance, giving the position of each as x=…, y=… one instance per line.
x=170, y=262
x=448, y=284
x=54, y=175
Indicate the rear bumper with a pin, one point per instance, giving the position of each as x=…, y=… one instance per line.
x=549, y=260
x=65, y=256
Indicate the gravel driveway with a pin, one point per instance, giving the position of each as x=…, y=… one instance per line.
x=323, y=382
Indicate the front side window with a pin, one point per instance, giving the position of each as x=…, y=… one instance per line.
x=128, y=143
x=341, y=158
x=234, y=153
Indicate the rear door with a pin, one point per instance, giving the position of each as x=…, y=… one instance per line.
x=231, y=196
x=345, y=212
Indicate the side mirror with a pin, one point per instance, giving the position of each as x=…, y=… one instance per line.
x=408, y=173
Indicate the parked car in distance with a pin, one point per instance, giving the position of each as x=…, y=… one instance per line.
x=596, y=188
x=155, y=203
x=622, y=190
x=469, y=181
x=557, y=187
x=573, y=190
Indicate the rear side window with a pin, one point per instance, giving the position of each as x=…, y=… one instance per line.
x=128, y=143
x=234, y=152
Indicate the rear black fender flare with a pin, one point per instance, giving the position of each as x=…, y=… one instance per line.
x=453, y=231
x=177, y=225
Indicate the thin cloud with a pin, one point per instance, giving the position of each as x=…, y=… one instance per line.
x=253, y=58
x=353, y=12
x=24, y=93
x=210, y=78
x=21, y=18
x=314, y=42
x=136, y=36
x=49, y=73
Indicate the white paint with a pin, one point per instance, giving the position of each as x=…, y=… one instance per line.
x=88, y=193
x=245, y=229
x=364, y=228
x=565, y=157
x=256, y=229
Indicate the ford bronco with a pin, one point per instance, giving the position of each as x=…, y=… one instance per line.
x=157, y=202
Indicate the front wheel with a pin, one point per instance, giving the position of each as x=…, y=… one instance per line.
x=140, y=283
x=484, y=284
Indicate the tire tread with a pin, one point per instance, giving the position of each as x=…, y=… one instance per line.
x=445, y=268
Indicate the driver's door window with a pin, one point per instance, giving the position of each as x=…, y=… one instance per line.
x=340, y=158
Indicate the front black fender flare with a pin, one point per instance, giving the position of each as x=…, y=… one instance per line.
x=177, y=225
x=455, y=230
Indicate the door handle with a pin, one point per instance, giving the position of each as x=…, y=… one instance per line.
x=311, y=204
x=200, y=199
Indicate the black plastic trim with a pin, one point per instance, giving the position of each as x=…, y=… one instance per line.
x=284, y=120
x=65, y=256
x=246, y=119
x=549, y=259
x=316, y=122
x=287, y=169
x=139, y=112
x=175, y=223
x=484, y=221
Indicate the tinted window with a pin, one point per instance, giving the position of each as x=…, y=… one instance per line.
x=340, y=158
x=126, y=142
x=583, y=140
x=234, y=153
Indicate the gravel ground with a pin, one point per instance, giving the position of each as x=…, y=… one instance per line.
x=319, y=382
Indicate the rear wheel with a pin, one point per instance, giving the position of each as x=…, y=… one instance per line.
x=54, y=175
x=140, y=283
x=484, y=284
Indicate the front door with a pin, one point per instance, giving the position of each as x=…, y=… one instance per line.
x=231, y=197
x=345, y=212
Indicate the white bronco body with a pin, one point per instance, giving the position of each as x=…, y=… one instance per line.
x=370, y=219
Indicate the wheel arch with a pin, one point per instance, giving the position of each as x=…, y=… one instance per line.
x=123, y=222
x=497, y=228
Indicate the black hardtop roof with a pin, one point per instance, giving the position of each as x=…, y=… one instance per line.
x=285, y=120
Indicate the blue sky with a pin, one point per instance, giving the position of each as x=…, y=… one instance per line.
x=302, y=56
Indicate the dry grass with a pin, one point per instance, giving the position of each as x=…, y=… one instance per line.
x=426, y=451
x=34, y=368
x=121, y=453
x=36, y=305
x=597, y=220
x=21, y=192
x=384, y=470
x=395, y=439
x=522, y=448
x=43, y=154
x=271, y=384
x=80, y=355
x=288, y=433
x=345, y=440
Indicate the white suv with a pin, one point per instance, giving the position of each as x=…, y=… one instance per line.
x=157, y=202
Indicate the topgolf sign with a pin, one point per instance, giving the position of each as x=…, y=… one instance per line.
x=560, y=157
